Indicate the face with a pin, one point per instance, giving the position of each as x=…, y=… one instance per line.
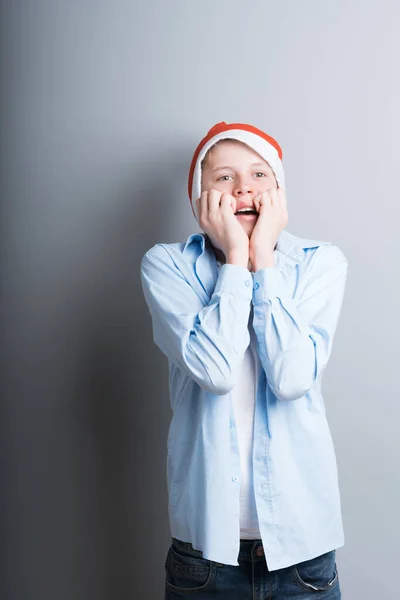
x=234, y=167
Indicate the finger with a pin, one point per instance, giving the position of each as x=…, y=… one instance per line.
x=203, y=204
x=226, y=200
x=228, y=203
x=257, y=201
x=273, y=194
x=266, y=199
x=214, y=198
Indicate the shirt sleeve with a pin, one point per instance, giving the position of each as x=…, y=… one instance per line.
x=207, y=342
x=295, y=335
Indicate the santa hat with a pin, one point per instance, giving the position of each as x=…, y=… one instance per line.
x=263, y=144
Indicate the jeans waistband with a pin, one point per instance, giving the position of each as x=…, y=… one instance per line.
x=249, y=549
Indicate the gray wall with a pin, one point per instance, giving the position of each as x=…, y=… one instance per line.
x=103, y=104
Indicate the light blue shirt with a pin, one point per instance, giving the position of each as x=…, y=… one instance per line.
x=200, y=320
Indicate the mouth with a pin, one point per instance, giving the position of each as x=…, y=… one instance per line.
x=249, y=215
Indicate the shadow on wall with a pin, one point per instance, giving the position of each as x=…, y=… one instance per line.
x=121, y=406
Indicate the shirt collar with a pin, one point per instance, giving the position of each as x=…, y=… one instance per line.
x=290, y=245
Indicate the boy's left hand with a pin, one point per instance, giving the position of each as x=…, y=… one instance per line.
x=272, y=218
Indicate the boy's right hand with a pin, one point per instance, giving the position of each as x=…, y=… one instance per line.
x=216, y=212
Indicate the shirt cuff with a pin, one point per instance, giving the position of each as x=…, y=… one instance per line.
x=267, y=283
x=234, y=279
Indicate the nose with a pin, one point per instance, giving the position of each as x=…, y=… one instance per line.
x=242, y=188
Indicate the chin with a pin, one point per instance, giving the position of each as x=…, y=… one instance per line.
x=248, y=229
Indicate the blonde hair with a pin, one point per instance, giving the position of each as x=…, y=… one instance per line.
x=204, y=162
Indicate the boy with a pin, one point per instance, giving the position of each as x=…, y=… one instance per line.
x=246, y=314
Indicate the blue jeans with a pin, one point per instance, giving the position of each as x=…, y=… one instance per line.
x=189, y=575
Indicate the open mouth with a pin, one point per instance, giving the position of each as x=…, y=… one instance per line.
x=247, y=214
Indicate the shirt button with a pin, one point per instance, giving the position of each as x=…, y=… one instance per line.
x=247, y=283
x=256, y=285
x=234, y=478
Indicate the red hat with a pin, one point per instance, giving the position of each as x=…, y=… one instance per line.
x=258, y=140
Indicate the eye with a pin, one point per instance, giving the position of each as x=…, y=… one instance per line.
x=222, y=178
x=260, y=173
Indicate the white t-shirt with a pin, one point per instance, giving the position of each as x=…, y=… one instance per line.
x=243, y=397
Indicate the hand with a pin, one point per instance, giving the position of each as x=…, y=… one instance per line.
x=272, y=218
x=216, y=211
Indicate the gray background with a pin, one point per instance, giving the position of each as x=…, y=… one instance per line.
x=103, y=104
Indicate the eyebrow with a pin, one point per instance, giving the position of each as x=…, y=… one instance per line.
x=257, y=164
